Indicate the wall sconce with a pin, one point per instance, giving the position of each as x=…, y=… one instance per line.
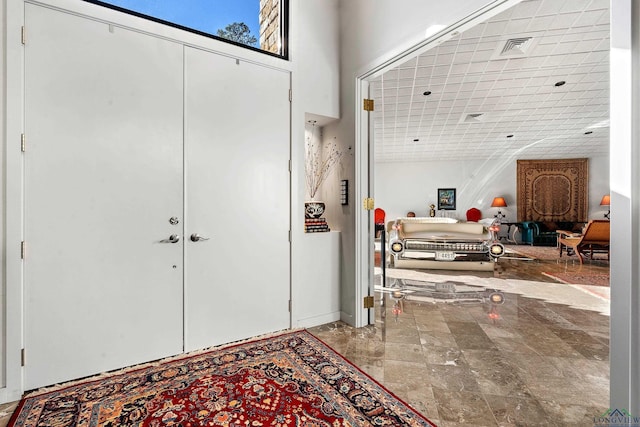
x=344, y=192
x=499, y=202
x=606, y=201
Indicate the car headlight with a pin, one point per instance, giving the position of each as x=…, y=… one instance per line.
x=397, y=247
x=496, y=250
x=496, y=298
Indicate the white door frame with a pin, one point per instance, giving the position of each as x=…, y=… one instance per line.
x=364, y=233
x=14, y=106
x=364, y=171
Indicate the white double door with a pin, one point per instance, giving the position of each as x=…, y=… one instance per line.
x=134, y=145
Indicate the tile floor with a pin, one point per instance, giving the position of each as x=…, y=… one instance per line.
x=6, y=409
x=539, y=359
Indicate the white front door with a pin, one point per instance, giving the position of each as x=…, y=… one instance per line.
x=103, y=285
x=114, y=124
x=237, y=282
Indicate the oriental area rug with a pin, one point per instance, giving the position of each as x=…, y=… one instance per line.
x=288, y=380
x=535, y=252
x=548, y=253
x=550, y=259
x=578, y=278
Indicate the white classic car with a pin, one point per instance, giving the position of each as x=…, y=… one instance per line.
x=444, y=243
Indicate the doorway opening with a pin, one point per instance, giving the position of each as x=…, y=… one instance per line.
x=474, y=98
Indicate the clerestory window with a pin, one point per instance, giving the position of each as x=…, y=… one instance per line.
x=254, y=24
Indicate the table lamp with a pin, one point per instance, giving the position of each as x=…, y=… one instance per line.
x=606, y=201
x=499, y=202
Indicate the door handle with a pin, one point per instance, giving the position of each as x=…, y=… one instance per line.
x=196, y=238
x=174, y=238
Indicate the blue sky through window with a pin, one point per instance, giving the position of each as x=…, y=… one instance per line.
x=203, y=15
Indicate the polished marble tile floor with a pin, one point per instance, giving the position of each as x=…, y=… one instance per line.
x=541, y=358
x=6, y=409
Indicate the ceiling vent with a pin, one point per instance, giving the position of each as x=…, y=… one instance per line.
x=516, y=47
x=472, y=118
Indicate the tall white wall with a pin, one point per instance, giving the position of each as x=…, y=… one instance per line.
x=315, y=46
x=401, y=187
x=314, y=36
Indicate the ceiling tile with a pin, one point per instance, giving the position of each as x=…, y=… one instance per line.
x=516, y=95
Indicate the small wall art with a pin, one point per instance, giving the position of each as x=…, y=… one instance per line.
x=447, y=199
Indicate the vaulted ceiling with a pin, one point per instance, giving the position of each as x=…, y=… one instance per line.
x=496, y=89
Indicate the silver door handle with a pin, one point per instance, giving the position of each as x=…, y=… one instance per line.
x=174, y=238
x=196, y=238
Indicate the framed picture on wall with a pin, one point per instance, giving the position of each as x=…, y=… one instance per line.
x=447, y=199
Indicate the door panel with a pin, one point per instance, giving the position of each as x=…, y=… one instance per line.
x=103, y=175
x=237, y=152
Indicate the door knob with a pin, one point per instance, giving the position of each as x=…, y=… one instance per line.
x=196, y=238
x=174, y=238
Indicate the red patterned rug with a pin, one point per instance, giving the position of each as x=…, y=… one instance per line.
x=576, y=278
x=288, y=380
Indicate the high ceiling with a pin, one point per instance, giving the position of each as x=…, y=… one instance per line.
x=499, y=79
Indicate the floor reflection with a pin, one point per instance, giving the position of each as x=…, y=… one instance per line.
x=450, y=291
x=467, y=354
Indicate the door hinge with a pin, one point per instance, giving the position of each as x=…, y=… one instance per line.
x=23, y=35
x=290, y=95
x=368, y=204
x=289, y=236
x=289, y=306
x=289, y=165
x=22, y=143
x=22, y=250
x=368, y=105
x=22, y=359
x=368, y=302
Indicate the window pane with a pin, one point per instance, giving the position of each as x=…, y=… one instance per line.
x=252, y=23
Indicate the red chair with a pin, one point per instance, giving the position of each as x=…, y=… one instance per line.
x=378, y=220
x=474, y=215
x=378, y=216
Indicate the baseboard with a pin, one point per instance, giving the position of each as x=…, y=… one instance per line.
x=7, y=397
x=322, y=319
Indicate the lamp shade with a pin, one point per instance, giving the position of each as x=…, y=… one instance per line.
x=606, y=200
x=498, y=202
